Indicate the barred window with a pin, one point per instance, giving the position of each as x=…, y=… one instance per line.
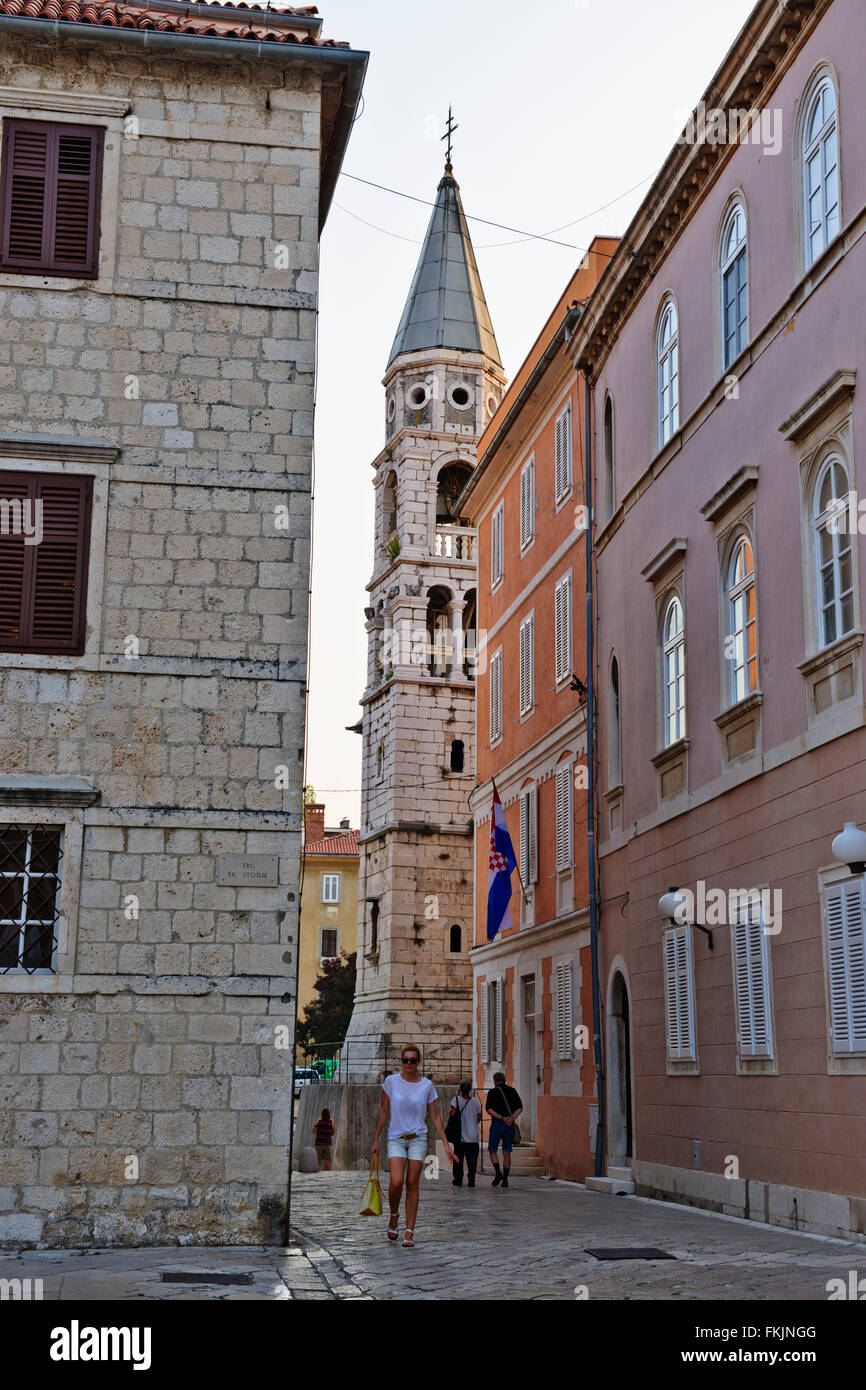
x=30, y=858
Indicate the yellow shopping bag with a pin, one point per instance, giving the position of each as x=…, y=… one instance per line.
x=372, y=1203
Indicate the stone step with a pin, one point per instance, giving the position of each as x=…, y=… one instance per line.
x=614, y=1187
x=623, y=1174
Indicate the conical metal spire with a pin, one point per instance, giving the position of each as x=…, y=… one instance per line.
x=446, y=305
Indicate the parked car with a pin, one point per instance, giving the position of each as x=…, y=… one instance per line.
x=305, y=1076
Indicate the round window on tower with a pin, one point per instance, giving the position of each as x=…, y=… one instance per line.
x=392, y=408
x=418, y=396
x=460, y=397
x=491, y=405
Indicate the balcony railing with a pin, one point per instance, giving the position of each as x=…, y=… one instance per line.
x=455, y=543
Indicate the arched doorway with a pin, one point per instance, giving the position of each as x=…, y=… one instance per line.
x=619, y=1074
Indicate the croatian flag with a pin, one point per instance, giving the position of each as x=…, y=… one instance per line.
x=502, y=862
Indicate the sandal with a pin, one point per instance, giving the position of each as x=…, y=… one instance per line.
x=395, y=1215
x=407, y=1239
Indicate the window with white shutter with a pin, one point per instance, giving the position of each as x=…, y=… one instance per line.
x=750, y=946
x=527, y=502
x=563, y=453
x=562, y=627
x=330, y=888
x=679, y=982
x=564, y=818
x=845, y=928
x=499, y=1047
x=564, y=1011
x=528, y=835
x=527, y=664
x=484, y=991
x=497, y=545
x=496, y=696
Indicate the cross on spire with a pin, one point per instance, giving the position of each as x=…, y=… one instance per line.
x=450, y=128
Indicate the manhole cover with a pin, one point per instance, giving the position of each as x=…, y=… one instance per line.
x=188, y=1277
x=629, y=1252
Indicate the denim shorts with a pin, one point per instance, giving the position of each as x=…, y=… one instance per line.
x=414, y=1148
x=500, y=1130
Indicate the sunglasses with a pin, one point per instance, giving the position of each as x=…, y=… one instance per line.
x=410, y=1061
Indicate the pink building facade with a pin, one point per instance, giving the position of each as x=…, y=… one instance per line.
x=726, y=350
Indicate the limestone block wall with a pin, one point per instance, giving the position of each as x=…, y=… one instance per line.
x=146, y=1082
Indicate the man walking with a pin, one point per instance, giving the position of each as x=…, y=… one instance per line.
x=504, y=1106
x=469, y=1109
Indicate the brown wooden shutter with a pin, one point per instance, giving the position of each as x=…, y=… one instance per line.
x=43, y=602
x=49, y=197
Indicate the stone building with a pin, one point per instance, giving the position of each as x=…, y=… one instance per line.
x=166, y=170
x=443, y=383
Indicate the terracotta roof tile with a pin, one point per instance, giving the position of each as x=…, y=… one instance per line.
x=139, y=16
x=335, y=844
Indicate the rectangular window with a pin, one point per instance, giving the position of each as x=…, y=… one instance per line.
x=330, y=888
x=44, y=550
x=527, y=664
x=752, y=983
x=49, y=198
x=528, y=835
x=563, y=453
x=679, y=995
x=562, y=625
x=564, y=817
x=497, y=545
x=328, y=943
x=564, y=1011
x=845, y=930
x=484, y=992
x=496, y=696
x=30, y=858
x=527, y=502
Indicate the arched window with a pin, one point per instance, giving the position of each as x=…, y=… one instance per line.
x=733, y=267
x=742, y=648
x=668, y=355
x=835, y=567
x=389, y=505
x=380, y=762
x=438, y=631
x=450, y=483
x=607, y=458
x=470, y=623
x=820, y=171
x=674, y=668
x=374, y=927
x=614, y=759
x=455, y=940
x=457, y=752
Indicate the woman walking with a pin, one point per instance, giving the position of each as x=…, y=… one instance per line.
x=408, y=1101
x=323, y=1138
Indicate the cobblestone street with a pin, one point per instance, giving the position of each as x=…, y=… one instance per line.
x=530, y=1243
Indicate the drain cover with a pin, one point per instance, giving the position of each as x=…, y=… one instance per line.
x=190, y=1277
x=629, y=1252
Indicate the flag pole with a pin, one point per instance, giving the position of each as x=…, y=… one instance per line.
x=517, y=862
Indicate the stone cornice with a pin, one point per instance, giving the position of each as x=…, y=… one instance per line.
x=57, y=448
x=743, y=481
x=667, y=557
x=760, y=56
x=527, y=938
x=829, y=394
x=47, y=791
x=82, y=103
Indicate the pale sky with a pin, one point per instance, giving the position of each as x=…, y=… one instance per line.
x=563, y=106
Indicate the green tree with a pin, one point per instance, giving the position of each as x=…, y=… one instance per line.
x=327, y=1018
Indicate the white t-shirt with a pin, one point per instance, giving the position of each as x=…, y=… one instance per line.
x=409, y=1101
x=469, y=1110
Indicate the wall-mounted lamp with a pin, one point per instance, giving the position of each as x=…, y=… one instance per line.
x=673, y=902
x=849, y=847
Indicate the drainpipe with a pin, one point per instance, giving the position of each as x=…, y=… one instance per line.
x=590, y=794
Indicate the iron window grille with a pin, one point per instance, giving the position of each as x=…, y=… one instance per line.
x=30, y=857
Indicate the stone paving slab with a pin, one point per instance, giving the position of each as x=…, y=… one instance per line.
x=135, y=1274
x=530, y=1241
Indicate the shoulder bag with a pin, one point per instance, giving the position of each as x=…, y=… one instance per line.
x=518, y=1138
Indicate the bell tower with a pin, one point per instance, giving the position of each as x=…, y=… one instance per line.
x=443, y=382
